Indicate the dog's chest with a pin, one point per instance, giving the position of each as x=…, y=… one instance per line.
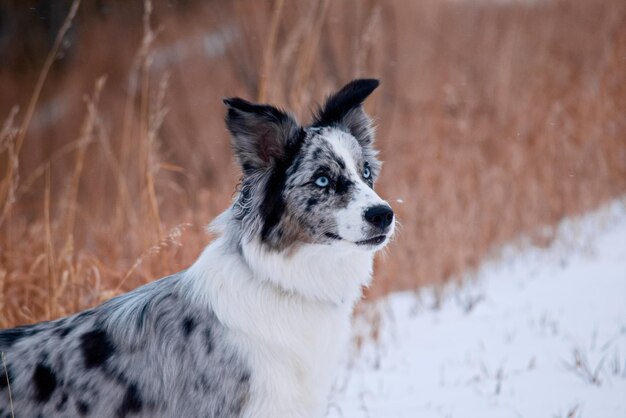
x=292, y=368
x=290, y=344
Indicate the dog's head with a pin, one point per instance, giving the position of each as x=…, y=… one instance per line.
x=309, y=184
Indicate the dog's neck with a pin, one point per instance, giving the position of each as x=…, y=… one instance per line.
x=315, y=273
x=323, y=290
x=332, y=274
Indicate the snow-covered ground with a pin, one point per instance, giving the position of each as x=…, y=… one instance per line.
x=539, y=333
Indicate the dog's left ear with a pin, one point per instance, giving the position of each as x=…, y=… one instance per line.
x=261, y=134
x=344, y=110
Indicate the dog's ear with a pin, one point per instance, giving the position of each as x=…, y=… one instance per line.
x=261, y=134
x=344, y=110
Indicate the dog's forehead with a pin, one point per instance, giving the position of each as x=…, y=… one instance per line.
x=333, y=143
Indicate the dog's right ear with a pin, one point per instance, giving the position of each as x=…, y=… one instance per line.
x=261, y=134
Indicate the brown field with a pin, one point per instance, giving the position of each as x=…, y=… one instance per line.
x=495, y=119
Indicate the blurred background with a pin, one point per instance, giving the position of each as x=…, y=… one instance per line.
x=496, y=119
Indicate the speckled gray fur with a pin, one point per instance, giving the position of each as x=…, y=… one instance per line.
x=148, y=353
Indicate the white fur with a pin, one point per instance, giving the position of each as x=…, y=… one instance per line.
x=288, y=315
x=350, y=222
x=333, y=274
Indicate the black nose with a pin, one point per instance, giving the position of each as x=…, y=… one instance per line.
x=380, y=216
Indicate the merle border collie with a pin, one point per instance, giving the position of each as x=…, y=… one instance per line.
x=255, y=327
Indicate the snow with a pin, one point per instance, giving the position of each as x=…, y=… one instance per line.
x=537, y=333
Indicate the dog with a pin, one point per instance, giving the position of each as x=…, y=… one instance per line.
x=257, y=325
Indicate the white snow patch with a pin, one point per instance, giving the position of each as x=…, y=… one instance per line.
x=539, y=333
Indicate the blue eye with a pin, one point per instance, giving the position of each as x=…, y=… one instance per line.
x=367, y=173
x=322, y=181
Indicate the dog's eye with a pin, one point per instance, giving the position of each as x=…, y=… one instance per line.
x=367, y=173
x=322, y=181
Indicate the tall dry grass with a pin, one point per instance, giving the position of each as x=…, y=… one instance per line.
x=495, y=119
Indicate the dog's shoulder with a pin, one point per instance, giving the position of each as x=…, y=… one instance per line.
x=148, y=352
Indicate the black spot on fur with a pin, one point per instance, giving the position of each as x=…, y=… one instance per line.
x=273, y=205
x=121, y=378
x=82, y=408
x=295, y=166
x=62, y=402
x=84, y=315
x=5, y=377
x=311, y=202
x=142, y=315
x=237, y=406
x=208, y=340
x=132, y=403
x=44, y=382
x=115, y=375
x=63, y=331
x=189, y=324
x=343, y=185
x=9, y=337
x=146, y=307
x=207, y=384
x=96, y=348
x=247, y=167
x=245, y=378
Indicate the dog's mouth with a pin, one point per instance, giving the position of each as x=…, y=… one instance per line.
x=377, y=240
x=333, y=236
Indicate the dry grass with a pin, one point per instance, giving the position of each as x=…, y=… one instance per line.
x=494, y=120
